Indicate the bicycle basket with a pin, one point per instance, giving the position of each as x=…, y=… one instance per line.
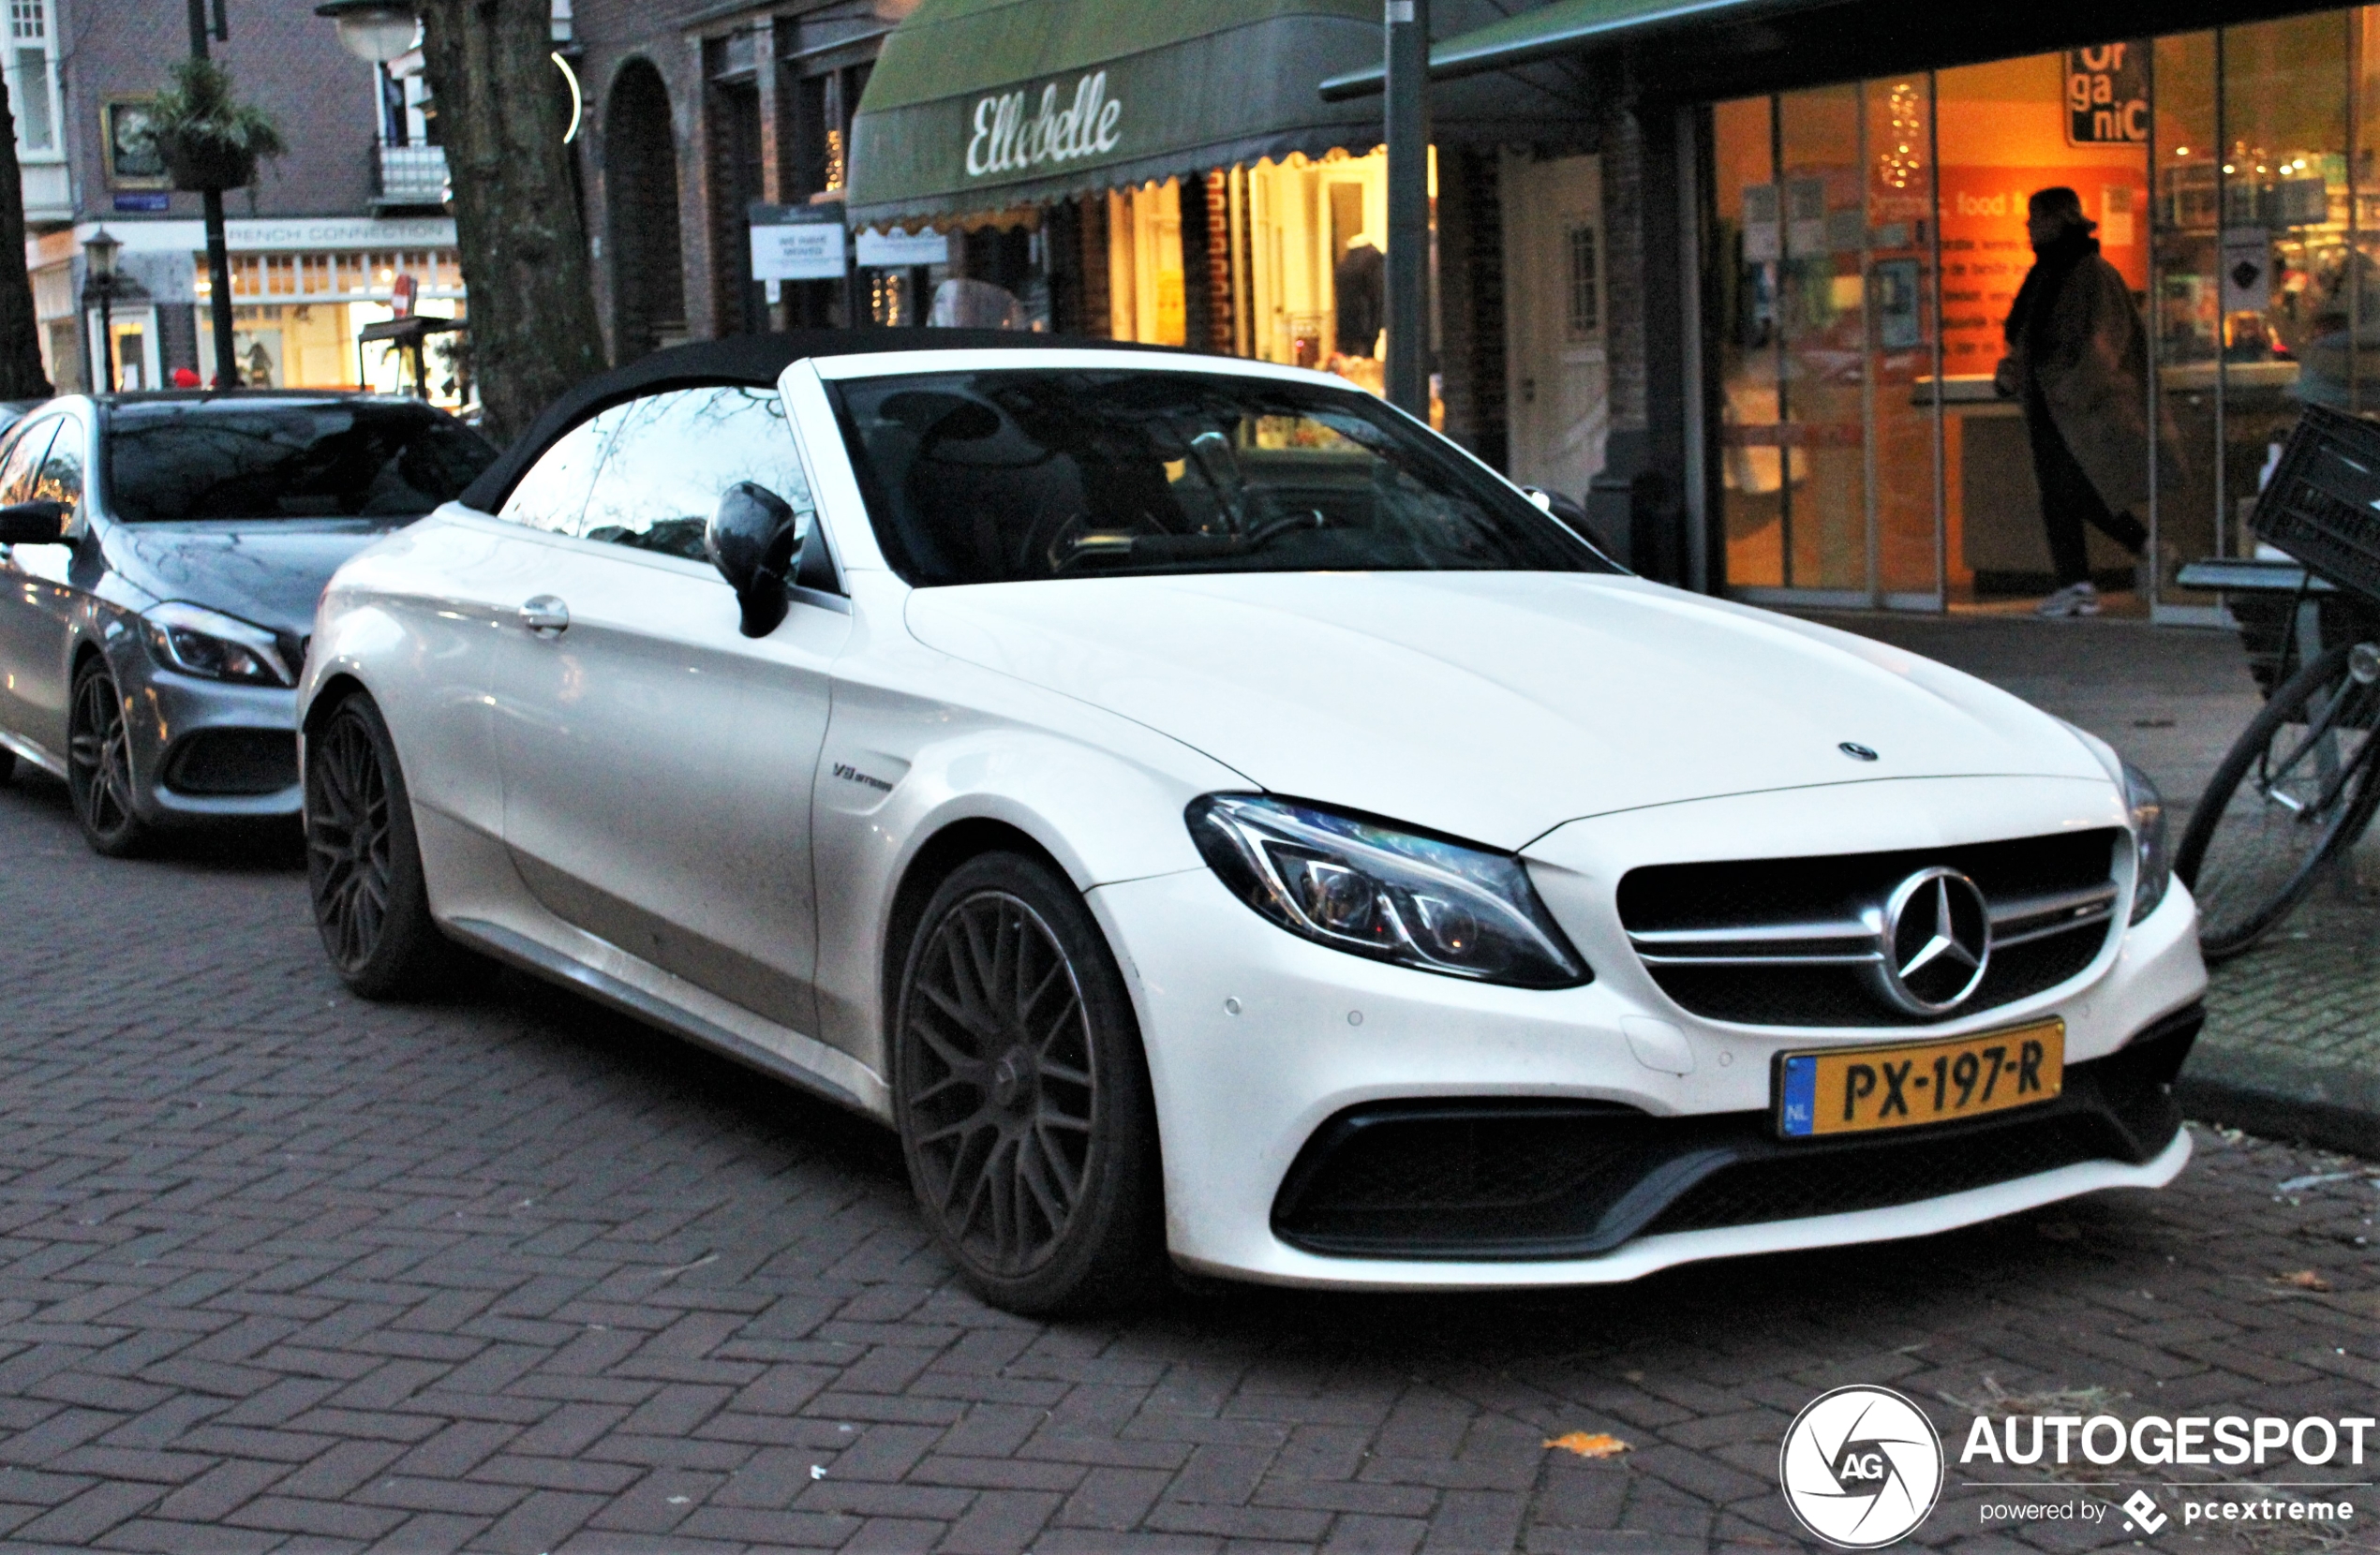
x=2323, y=503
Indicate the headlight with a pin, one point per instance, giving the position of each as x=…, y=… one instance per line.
x=1358, y=886
x=2155, y=861
x=201, y=642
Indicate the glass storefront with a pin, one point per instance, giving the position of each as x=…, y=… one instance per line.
x=296, y=318
x=1303, y=261
x=1870, y=238
x=1294, y=264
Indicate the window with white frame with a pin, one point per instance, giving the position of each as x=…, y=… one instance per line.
x=1584, y=294
x=32, y=65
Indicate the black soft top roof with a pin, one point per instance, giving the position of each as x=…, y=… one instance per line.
x=755, y=361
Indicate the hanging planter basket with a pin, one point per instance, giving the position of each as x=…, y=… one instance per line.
x=203, y=163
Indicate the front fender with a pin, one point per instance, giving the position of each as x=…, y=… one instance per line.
x=1102, y=795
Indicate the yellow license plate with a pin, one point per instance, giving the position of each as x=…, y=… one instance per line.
x=1856, y=1089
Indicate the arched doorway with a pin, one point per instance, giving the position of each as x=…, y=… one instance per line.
x=639, y=161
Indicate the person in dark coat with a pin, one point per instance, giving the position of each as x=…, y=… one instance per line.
x=2078, y=359
x=1358, y=281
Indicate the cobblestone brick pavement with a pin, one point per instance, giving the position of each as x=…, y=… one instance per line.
x=280, y=1270
x=2298, y=1017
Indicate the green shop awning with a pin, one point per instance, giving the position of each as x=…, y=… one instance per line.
x=1564, y=27
x=981, y=105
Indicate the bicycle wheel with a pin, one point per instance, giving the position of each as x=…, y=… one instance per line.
x=2294, y=787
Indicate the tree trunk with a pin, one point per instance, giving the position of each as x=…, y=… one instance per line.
x=22, y=376
x=501, y=115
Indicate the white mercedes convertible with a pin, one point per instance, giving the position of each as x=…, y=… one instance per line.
x=1213, y=818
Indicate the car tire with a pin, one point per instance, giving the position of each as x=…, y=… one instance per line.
x=7, y=764
x=1022, y=1094
x=100, y=764
x=364, y=862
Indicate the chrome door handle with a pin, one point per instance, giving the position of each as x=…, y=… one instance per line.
x=545, y=616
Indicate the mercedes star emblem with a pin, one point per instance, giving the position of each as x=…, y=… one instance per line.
x=1935, y=942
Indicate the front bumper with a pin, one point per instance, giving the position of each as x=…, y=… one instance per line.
x=205, y=750
x=1517, y=1178
x=1257, y=1040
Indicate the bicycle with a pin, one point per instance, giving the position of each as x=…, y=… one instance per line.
x=2299, y=788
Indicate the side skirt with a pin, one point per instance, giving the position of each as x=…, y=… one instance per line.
x=53, y=765
x=518, y=949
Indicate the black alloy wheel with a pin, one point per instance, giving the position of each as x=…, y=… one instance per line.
x=100, y=764
x=1023, y=1096
x=362, y=863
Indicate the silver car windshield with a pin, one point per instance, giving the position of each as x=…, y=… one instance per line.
x=179, y=460
x=1014, y=475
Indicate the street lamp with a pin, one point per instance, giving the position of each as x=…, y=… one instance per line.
x=99, y=253
x=375, y=30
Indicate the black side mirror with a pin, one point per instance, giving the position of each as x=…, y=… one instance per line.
x=750, y=541
x=38, y=522
x=1571, y=516
x=813, y=564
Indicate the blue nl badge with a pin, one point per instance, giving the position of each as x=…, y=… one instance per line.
x=1801, y=1095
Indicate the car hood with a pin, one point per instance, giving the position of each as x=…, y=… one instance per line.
x=268, y=573
x=1494, y=706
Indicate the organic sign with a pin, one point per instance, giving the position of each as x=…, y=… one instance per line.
x=2107, y=94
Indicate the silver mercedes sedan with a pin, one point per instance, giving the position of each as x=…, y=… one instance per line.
x=160, y=558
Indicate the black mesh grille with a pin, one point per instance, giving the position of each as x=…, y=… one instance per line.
x=222, y=762
x=1744, y=894
x=1893, y=1174
x=1498, y=1177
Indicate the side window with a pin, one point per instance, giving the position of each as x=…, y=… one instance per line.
x=554, y=492
x=61, y=477
x=666, y=459
x=24, y=459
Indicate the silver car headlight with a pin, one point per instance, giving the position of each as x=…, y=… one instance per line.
x=201, y=642
x=1373, y=890
x=2154, y=862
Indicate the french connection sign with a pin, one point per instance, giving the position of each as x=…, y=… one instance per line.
x=1864, y=1467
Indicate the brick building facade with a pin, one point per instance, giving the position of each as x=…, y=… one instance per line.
x=695, y=112
x=317, y=241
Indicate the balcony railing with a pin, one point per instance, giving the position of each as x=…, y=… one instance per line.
x=409, y=176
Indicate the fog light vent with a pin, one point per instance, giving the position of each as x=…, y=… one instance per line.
x=229, y=763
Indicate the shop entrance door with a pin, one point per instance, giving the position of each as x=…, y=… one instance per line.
x=1828, y=438
x=1560, y=415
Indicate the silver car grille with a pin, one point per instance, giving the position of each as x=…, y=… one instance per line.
x=1857, y=942
x=1805, y=941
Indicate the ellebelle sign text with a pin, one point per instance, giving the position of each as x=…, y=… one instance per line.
x=1008, y=141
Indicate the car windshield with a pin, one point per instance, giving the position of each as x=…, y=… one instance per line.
x=1011, y=475
x=207, y=459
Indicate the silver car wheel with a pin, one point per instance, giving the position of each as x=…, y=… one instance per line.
x=100, y=764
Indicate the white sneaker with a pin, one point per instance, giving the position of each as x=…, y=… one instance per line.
x=2080, y=599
